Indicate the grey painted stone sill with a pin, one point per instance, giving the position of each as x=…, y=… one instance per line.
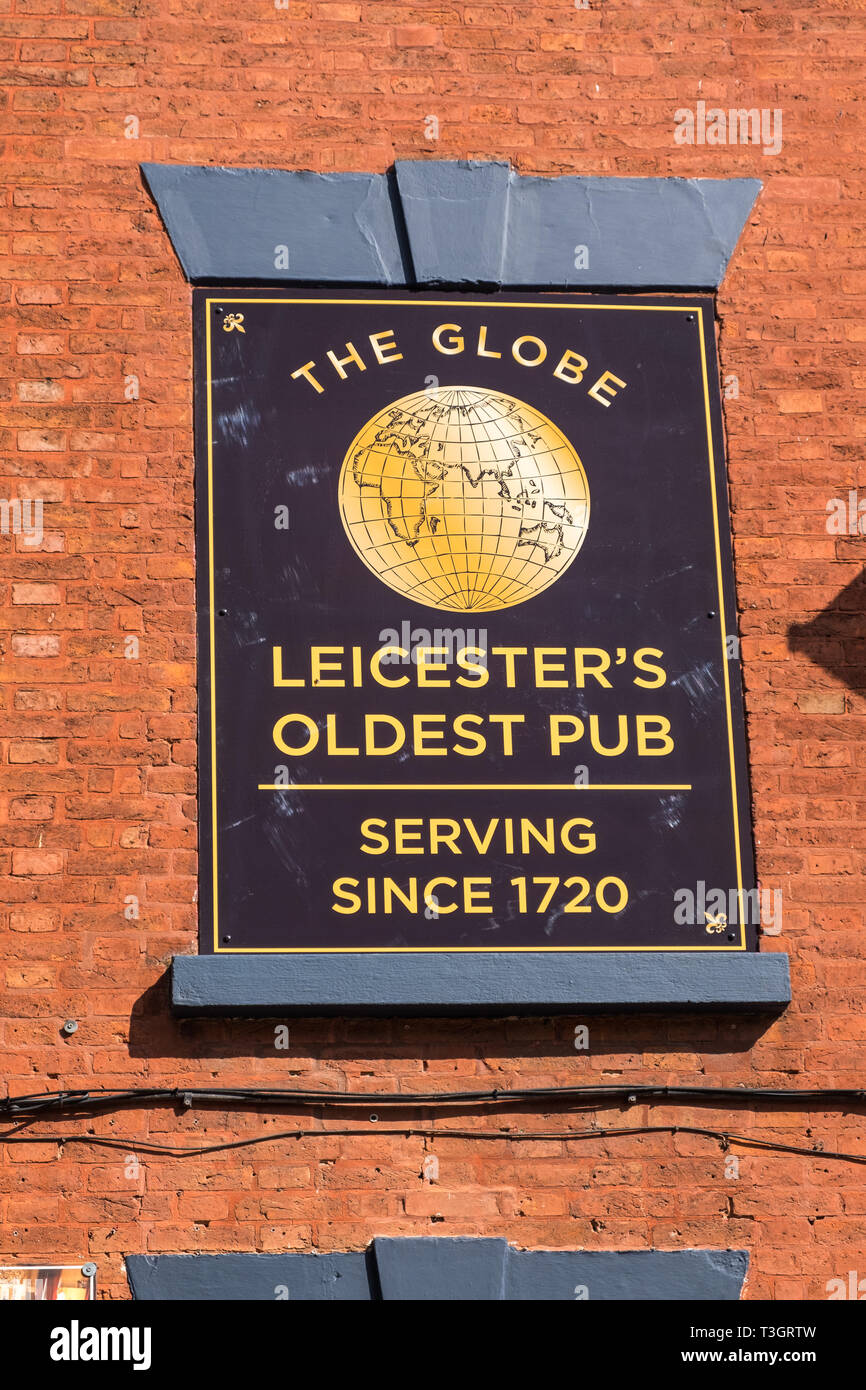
x=441, y=222
x=442, y=1268
x=479, y=982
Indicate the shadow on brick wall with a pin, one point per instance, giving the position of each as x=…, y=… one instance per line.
x=447, y=1044
x=835, y=638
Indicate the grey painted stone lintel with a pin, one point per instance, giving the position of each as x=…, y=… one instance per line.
x=439, y=1269
x=449, y=223
x=477, y=982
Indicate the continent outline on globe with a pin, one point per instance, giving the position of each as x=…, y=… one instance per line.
x=442, y=498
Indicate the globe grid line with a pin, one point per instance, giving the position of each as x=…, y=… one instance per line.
x=448, y=495
x=524, y=560
x=431, y=579
x=483, y=580
x=433, y=411
x=463, y=477
x=509, y=580
x=462, y=482
x=455, y=395
x=440, y=582
x=528, y=430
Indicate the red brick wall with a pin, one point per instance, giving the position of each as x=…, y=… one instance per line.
x=97, y=768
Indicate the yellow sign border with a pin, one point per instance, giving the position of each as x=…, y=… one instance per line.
x=698, y=311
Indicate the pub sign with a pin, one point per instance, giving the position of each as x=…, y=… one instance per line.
x=469, y=674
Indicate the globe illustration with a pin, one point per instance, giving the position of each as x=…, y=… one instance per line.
x=464, y=499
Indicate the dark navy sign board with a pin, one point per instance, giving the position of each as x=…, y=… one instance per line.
x=644, y=578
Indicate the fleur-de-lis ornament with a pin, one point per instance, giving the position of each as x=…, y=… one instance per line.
x=715, y=924
x=232, y=321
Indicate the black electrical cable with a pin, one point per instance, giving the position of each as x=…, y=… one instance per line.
x=29, y=1108
x=136, y=1145
x=76, y=1102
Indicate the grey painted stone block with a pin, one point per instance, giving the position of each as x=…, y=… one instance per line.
x=443, y=1268
x=638, y=233
x=635, y=1275
x=455, y=215
x=480, y=982
x=226, y=224
x=249, y=1277
x=449, y=222
x=435, y=1268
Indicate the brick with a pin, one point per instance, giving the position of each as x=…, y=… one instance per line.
x=36, y=593
x=30, y=977
x=36, y=862
x=800, y=402
x=42, y=392
x=821, y=702
x=416, y=36
x=40, y=645
x=34, y=919
x=41, y=441
x=33, y=751
x=49, y=344
x=97, y=756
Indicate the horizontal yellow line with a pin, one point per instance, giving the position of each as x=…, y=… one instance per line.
x=474, y=787
x=475, y=304
x=439, y=950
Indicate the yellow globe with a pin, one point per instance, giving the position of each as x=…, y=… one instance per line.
x=464, y=499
